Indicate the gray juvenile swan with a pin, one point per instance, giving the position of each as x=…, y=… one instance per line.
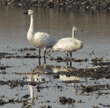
x=39, y=39
x=68, y=44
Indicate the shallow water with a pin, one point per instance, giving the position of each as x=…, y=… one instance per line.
x=58, y=23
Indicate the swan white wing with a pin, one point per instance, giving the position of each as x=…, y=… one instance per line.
x=50, y=41
x=65, y=44
x=43, y=40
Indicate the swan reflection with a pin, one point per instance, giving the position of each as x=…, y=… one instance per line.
x=43, y=73
x=71, y=78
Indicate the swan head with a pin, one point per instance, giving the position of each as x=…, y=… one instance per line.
x=74, y=28
x=29, y=12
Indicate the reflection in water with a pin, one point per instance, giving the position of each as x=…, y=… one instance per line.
x=67, y=68
x=33, y=76
x=31, y=101
x=71, y=78
x=46, y=68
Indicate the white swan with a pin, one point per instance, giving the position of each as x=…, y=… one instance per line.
x=68, y=44
x=39, y=39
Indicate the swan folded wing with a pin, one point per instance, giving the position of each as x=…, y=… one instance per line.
x=38, y=40
x=50, y=42
x=66, y=44
x=42, y=39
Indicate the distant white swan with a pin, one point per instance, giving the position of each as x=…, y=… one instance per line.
x=68, y=44
x=39, y=39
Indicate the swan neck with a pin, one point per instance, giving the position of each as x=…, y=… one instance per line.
x=31, y=29
x=31, y=23
x=73, y=34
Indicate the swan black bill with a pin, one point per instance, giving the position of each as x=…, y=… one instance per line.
x=25, y=13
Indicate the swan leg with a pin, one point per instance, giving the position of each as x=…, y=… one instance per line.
x=44, y=52
x=44, y=61
x=67, y=65
x=71, y=55
x=39, y=51
x=39, y=62
x=71, y=64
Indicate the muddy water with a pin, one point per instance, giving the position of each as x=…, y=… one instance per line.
x=26, y=82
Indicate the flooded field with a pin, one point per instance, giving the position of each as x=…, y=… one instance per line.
x=30, y=81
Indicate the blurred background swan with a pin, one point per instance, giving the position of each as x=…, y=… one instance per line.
x=39, y=39
x=68, y=44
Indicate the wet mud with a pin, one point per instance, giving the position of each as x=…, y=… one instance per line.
x=65, y=100
x=46, y=77
x=60, y=59
x=27, y=49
